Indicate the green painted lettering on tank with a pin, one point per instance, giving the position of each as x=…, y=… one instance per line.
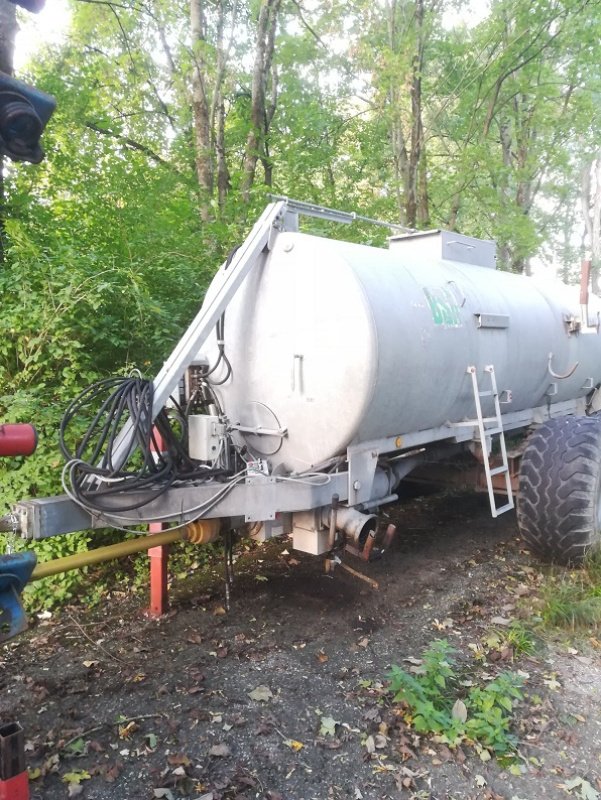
x=443, y=307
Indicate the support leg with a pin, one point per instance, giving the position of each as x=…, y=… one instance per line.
x=14, y=781
x=159, y=574
x=159, y=563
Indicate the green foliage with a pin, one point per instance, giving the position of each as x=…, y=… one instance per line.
x=572, y=598
x=516, y=637
x=439, y=700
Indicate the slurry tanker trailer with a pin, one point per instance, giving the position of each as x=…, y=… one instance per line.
x=319, y=374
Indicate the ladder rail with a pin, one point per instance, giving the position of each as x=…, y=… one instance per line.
x=485, y=433
x=504, y=460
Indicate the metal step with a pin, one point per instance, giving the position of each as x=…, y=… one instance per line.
x=503, y=509
x=494, y=431
x=498, y=470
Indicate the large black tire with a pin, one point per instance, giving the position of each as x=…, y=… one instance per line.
x=559, y=502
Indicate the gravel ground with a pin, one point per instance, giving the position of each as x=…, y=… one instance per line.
x=231, y=706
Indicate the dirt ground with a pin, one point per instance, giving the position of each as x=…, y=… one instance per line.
x=308, y=647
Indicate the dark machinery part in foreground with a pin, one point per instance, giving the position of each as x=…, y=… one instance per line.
x=15, y=568
x=24, y=110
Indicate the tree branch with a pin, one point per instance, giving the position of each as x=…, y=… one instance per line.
x=132, y=145
x=313, y=33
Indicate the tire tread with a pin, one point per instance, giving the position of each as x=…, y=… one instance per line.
x=560, y=481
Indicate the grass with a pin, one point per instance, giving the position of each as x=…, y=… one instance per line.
x=572, y=598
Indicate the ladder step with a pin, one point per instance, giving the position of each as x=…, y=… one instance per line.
x=493, y=431
x=503, y=509
x=499, y=470
x=486, y=394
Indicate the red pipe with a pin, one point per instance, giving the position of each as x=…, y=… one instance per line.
x=18, y=439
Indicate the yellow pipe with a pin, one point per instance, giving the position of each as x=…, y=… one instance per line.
x=109, y=553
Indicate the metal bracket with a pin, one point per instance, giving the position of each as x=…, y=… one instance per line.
x=258, y=430
x=362, y=465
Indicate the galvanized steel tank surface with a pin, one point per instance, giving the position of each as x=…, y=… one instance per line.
x=342, y=343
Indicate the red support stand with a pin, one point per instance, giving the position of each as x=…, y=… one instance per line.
x=159, y=573
x=16, y=788
x=14, y=781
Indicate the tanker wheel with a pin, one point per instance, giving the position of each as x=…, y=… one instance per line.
x=559, y=501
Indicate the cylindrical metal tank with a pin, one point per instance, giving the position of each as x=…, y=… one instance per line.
x=340, y=343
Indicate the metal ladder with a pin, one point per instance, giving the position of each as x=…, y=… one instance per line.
x=495, y=430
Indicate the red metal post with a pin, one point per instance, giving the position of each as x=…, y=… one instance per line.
x=14, y=781
x=16, y=788
x=159, y=570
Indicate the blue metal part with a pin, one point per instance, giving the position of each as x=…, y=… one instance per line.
x=15, y=571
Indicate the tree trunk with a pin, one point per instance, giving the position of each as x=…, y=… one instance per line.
x=259, y=121
x=201, y=110
x=417, y=129
x=223, y=175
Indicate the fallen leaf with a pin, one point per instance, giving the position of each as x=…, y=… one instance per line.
x=89, y=664
x=167, y=794
x=444, y=625
x=125, y=731
x=177, y=760
x=220, y=751
x=112, y=773
x=585, y=790
x=76, y=748
x=328, y=726
x=459, y=711
x=480, y=781
x=75, y=789
x=76, y=776
x=261, y=694
x=321, y=657
x=293, y=744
